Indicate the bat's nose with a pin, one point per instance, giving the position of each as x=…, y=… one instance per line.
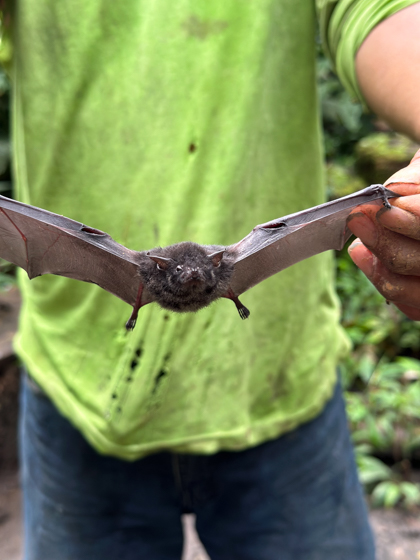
x=192, y=275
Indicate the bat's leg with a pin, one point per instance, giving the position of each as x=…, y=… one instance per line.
x=243, y=311
x=131, y=323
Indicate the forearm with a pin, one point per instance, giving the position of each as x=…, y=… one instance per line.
x=388, y=70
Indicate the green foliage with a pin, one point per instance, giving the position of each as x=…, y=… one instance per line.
x=341, y=180
x=383, y=393
x=388, y=493
x=387, y=416
x=344, y=121
x=371, y=470
x=391, y=147
x=380, y=155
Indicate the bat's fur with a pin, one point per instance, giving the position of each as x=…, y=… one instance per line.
x=190, y=279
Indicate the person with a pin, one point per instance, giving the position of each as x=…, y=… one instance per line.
x=160, y=122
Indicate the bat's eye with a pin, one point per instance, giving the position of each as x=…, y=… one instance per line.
x=179, y=268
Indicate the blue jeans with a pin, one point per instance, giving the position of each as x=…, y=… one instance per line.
x=293, y=498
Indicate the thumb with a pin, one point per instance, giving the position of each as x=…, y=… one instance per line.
x=408, y=178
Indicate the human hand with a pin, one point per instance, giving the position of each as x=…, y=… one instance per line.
x=388, y=246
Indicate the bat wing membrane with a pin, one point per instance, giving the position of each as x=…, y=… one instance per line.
x=41, y=242
x=276, y=245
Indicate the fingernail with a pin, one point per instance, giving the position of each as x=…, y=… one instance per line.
x=362, y=257
x=355, y=244
x=363, y=227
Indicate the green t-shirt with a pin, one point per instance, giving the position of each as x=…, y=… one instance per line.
x=160, y=122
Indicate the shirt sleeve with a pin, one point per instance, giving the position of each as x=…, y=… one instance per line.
x=344, y=25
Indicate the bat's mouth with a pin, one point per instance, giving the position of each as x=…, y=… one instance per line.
x=193, y=282
x=192, y=278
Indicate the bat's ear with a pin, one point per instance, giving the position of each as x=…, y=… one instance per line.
x=162, y=262
x=216, y=258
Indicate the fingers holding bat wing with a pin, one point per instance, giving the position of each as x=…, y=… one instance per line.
x=388, y=248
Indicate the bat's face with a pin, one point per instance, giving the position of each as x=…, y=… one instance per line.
x=190, y=275
x=186, y=276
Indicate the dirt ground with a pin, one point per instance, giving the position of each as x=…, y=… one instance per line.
x=397, y=533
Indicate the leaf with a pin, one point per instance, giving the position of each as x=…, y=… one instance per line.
x=372, y=469
x=392, y=494
x=411, y=494
x=386, y=494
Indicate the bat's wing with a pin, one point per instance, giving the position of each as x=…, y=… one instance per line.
x=276, y=245
x=45, y=243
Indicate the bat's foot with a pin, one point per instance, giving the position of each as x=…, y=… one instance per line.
x=130, y=324
x=243, y=311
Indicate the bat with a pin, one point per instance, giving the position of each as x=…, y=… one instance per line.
x=182, y=277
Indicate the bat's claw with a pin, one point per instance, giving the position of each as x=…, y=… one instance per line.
x=383, y=193
x=244, y=312
x=130, y=324
x=386, y=202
